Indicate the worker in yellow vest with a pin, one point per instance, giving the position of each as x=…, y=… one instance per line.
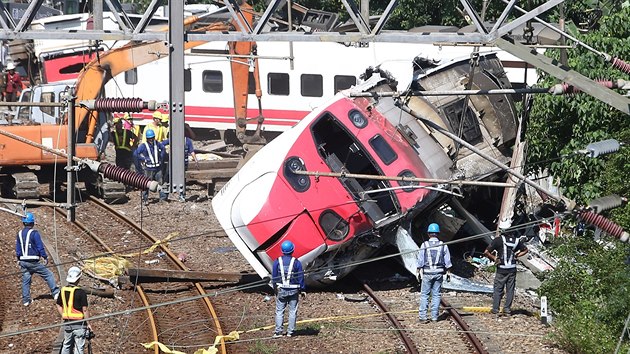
x=73, y=308
x=156, y=126
x=124, y=140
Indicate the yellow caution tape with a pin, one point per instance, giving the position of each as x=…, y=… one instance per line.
x=232, y=336
x=162, y=347
x=154, y=246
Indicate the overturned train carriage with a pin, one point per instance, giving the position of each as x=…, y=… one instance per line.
x=335, y=222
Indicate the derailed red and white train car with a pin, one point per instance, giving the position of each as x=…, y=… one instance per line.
x=335, y=222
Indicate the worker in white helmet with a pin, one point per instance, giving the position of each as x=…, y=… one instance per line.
x=73, y=308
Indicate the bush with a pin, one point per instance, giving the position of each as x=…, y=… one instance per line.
x=588, y=294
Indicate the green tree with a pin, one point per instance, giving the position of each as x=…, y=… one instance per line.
x=589, y=288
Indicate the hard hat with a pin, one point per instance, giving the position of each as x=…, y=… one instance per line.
x=505, y=224
x=157, y=115
x=29, y=218
x=126, y=116
x=165, y=118
x=433, y=228
x=74, y=273
x=287, y=247
x=10, y=66
x=150, y=134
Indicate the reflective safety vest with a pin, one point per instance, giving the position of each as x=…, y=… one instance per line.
x=285, y=275
x=69, y=312
x=434, y=257
x=24, y=243
x=154, y=156
x=508, y=253
x=122, y=142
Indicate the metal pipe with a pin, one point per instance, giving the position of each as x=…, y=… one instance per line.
x=70, y=182
x=402, y=179
x=489, y=158
x=34, y=104
x=32, y=202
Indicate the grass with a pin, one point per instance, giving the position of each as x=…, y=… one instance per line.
x=262, y=347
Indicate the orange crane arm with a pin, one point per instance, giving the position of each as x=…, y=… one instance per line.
x=100, y=70
x=244, y=56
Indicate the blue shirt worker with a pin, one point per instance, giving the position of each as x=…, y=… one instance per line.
x=73, y=308
x=508, y=248
x=149, y=157
x=189, y=150
x=30, y=250
x=434, y=260
x=288, y=279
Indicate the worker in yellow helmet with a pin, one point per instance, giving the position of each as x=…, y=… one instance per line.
x=156, y=126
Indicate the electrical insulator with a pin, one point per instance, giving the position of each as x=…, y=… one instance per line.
x=605, y=224
x=604, y=203
x=621, y=65
x=122, y=175
x=602, y=147
x=119, y=104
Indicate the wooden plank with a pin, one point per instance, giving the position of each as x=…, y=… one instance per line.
x=225, y=173
x=164, y=275
x=214, y=164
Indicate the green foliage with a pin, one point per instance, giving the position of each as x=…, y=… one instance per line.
x=588, y=293
x=561, y=125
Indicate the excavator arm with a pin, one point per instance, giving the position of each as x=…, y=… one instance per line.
x=243, y=57
x=100, y=70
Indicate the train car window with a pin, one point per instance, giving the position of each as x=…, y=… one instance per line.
x=410, y=184
x=212, y=81
x=334, y=226
x=343, y=82
x=48, y=97
x=187, y=80
x=131, y=76
x=278, y=84
x=312, y=85
x=383, y=149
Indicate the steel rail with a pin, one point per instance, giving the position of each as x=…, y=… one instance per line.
x=409, y=345
x=466, y=331
x=141, y=293
x=174, y=258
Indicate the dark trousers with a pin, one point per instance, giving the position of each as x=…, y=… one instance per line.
x=503, y=281
x=124, y=158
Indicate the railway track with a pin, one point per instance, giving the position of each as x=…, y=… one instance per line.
x=453, y=329
x=180, y=325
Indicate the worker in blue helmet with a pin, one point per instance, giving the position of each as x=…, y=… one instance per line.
x=149, y=158
x=288, y=282
x=434, y=260
x=32, y=259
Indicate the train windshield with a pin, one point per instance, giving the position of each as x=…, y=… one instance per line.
x=343, y=153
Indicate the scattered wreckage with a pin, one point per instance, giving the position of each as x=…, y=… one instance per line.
x=390, y=169
x=371, y=167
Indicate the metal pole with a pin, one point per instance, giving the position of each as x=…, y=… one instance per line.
x=97, y=13
x=176, y=62
x=70, y=182
x=318, y=174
